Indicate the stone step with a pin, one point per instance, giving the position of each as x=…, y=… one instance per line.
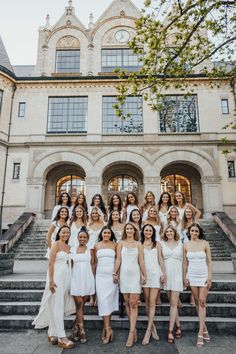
x=36, y=295
x=32, y=284
x=213, y=309
x=227, y=325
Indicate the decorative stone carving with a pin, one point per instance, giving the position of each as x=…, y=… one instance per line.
x=109, y=37
x=68, y=42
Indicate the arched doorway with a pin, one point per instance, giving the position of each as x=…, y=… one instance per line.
x=65, y=177
x=122, y=178
x=185, y=178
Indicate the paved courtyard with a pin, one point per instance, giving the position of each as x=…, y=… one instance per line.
x=35, y=342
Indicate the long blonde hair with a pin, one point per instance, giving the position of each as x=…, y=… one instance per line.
x=91, y=221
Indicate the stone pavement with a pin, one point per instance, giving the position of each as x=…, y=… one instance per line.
x=35, y=342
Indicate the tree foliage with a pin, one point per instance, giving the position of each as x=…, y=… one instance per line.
x=179, y=39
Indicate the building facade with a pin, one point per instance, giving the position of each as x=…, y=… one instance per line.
x=59, y=131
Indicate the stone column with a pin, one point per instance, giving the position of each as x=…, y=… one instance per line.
x=212, y=195
x=35, y=194
x=152, y=184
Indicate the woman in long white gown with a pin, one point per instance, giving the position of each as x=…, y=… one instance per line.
x=56, y=301
x=106, y=290
x=79, y=220
x=130, y=263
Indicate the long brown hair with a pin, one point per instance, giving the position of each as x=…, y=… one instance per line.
x=74, y=217
x=176, y=235
x=136, y=232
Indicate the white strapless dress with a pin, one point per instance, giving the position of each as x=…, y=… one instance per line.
x=129, y=271
x=197, y=268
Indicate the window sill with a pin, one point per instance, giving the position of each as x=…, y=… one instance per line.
x=15, y=180
x=232, y=179
x=66, y=74
x=65, y=134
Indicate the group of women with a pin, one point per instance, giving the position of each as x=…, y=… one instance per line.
x=94, y=252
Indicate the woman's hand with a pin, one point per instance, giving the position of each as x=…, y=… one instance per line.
x=115, y=278
x=208, y=283
x=143, y=279
x=186, y=282
x=163, y=279
x=52, y=287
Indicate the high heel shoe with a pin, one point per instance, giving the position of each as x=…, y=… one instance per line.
x=206, y=337
x=154, y=333
x=130, y=340
x=53, y=340
x=178, y=332
x=75, y=331
x=146, y=338
x=65, y=343
x=108, y=335
x=170, y=337
x=82, y=336
x=200, y=341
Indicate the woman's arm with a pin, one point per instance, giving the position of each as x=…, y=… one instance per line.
x=185, y=266
x=209, y=265
x=117, y=262
x=92, y=261
x=196, y=211
x=49, y=235
x=161, y=261
x=53, y=253
x=141, y=263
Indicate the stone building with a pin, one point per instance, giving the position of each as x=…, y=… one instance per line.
x=59, y=131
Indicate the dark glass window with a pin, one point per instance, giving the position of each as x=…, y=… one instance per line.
x=231, y=169
x=112, y=124
x=21, y=109
x=225, y=106
x=16, y=171
x=124, y=59
x=1, y=96
x=68, y=61
x=67, y=114
x=179, y=114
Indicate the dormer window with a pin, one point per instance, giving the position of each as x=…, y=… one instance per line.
x=68, y=55
x=121, y=58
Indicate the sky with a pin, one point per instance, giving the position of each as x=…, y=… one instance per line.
x=20, y=20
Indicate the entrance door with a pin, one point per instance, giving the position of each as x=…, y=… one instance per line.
x=174, y=183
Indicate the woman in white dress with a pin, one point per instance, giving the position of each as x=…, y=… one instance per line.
x=197, y=264
x=56, y=299
x=106, y=290
x=79, y=220
x=115, y=204
x=149, y=202
x=64, y=201
x=155, y=269
x=130, y=204
x=163, y=206
x=172, y=253
x=95, y=225
x=61, y=218
x=173, y=218
x=98, y=202
x=180, y=202
x=82, y=282
x=155, y=221
x=136, y=218
x=130, y=263
x=116, y=225
x=81, y=201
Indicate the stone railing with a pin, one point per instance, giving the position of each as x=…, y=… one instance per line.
x=15, y=231
x=229, y=228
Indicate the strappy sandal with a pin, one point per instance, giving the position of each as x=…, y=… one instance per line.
x=53, y=340
x=178, y=332
x=130, y=340
x=206, y=337
x=170, y=337
x=65, y=344
x=200, y=341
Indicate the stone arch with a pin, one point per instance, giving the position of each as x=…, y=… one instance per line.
x=201, y=162
x=68, y=42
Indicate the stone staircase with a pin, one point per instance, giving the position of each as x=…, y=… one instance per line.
x=32, y=244
x=20, y=301
x=221, y=246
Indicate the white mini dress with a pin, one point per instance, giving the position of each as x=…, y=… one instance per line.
x=173, y=264
x=152, y=268
x=129, y=271
x=197, y=268
x=82, y=278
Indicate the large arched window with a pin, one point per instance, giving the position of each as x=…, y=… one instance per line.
x=174, y=183
x=123, y=183
x=73, y=185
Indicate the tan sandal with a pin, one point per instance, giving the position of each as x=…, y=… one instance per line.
x=65, y=343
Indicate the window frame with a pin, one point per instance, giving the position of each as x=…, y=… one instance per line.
x=20, y=110
x=123, y=51
x=227, y=106
x=16, y=171
x=68, y=131
x=228, y=167
x=70, y=70
x=123, y=127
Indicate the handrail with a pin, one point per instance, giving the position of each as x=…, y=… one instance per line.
x=226, y=224
x=15, y=231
